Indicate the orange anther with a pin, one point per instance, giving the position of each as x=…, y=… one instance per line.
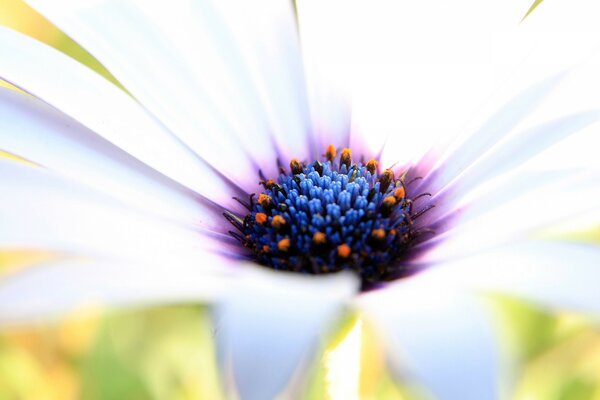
x=378, y=234
x=331, y=152
x=266, y=248
x=278, y=221
x=344, y=250
x=346, y=157
x=284, y=244
x=399, y=193
x=319, y=238
x=372, y=166
x=261, y=218
x=264, y=200
x=389, y=201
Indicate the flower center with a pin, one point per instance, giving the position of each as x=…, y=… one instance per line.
x=330, y=215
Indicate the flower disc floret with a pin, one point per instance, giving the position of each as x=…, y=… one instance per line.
x=328, y=216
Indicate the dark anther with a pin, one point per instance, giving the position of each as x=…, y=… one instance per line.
x=318, y=166
x=295, y=166
x=371, y=194
x=277, y=188
x=387, y=177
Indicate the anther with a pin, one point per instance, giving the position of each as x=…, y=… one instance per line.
x=278, y=222
x=387, y=177
x=284, y=244
x=318, y=166
x=378, y=235
x=295, y=166
x=387, y=205
x=399, y=193
x=268, y=184
x=344, y=250
x=372, y=166
x=330, y=153
x=319, y=238
x=265, y=201
x=346, y=157
x=260, y=218
x=266, y=248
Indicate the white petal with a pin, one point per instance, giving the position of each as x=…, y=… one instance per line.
x=125, y=37
x=488, y=135
x=525, y=145
x=39, y=133
x=40, y=210
x=442, y=338
x=96, y=103
x=51, y=289
x=271, y=321
x=481, y=225
x=510, y=155
x=559, y=275
x=327, y=60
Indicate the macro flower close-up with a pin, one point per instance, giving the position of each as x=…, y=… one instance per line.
x=294, y=167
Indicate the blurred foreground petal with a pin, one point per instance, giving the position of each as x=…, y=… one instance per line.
x=271, y=322
x=442, y=338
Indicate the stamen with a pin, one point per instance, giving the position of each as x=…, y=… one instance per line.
x=278, y=222
x=295, y=166
x=346, y=158
x=399, y=193
x=261, y=218
x=284, y=244
x=319, y=238
x=378, y=234
x=387, y=177
x=344, y=250
x=265, y=201
x=330, y=153
x=372, y=166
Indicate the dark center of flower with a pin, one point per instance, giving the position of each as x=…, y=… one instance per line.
x=330, y=215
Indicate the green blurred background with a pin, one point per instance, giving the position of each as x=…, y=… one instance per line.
x=168, y=352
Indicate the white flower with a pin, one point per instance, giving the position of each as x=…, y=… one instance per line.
x=129, y=190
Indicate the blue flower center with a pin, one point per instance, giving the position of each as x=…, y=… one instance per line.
x=328, y=216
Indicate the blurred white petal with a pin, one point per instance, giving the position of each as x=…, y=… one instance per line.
x=441, y=337
x=100, y=106
x=123, y=36
x=41, y=210
x=270, y=322
x=509, y=156
x=559, y=275
x=49, y=290
x=487, y=136
x=39, y=133
x=326, y=54
x=523, y=146
x=480, y=225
